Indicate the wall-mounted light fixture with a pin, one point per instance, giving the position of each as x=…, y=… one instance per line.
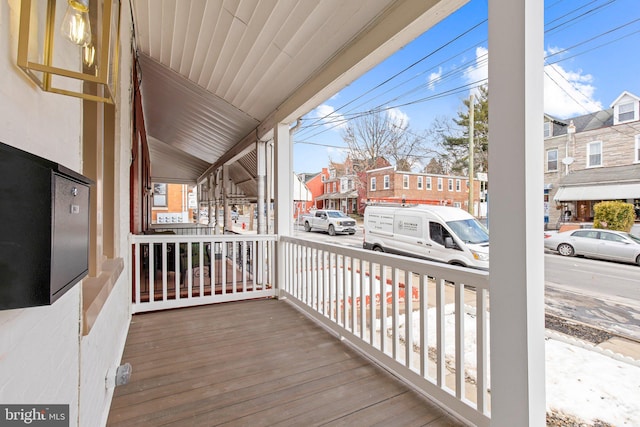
x=70, y=47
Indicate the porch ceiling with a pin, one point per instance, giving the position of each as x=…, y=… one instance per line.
x=217, y=75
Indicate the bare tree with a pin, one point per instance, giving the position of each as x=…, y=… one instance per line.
x=378, y=135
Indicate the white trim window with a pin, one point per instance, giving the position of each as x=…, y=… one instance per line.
x=428, y=186
x=637, y=150
x=420, y=178
x=548, y=129
x=373, y=183
x=594, y=154
x=405, y=181
x=160, y=195
x=439, y=184
x=552, y=160
x=450, y=184
x=335, y=187
x=627, y=112
x=458, y=185
x=385, y=183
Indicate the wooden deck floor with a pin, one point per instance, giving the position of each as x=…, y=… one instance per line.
x=255, y=363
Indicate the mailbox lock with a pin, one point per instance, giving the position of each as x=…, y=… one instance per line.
x=74, y=191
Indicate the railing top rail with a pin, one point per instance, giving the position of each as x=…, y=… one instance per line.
x=195, y=238
x=470, y=276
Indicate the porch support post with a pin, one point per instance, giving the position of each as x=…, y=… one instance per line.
x=516, y=208
x=282, y=197
x=226, y=190
x=261, y=152
x=284, y=182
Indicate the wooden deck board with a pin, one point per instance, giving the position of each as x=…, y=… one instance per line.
x=255, y=363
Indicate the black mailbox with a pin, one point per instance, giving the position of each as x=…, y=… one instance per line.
x=44, y=229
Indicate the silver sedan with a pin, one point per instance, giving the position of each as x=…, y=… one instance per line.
x=596, y=243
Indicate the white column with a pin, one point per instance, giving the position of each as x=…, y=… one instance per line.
x=261, y=148
x=516, y=209
x=226, y=190
x=284, y=180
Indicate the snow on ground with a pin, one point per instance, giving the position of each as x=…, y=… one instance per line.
x=581, y=382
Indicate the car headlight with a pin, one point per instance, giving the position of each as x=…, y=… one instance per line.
x=480, y=256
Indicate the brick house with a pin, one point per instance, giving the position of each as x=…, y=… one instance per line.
x=389, y=185
x=173, y=203
x=340, y=189
x=592, y=158
x=315, y=184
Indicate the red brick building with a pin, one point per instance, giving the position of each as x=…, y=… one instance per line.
x=173, y=203
x=388, y=185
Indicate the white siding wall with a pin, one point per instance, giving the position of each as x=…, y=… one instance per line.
x=101, y=350
x=43, y=356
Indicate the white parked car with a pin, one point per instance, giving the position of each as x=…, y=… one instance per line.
x=596, y=243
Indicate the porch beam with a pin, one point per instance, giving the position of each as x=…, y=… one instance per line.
x=516, y=209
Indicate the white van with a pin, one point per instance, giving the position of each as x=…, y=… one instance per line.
x=437, y=233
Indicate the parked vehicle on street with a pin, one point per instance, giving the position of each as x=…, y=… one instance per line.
x=331, y=221
x=437, y=233
x=596, y=243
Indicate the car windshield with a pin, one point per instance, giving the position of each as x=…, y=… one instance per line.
x=632, y=237
x=469, y=231
x=337, y=214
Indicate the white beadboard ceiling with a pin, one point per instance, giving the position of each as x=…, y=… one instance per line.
x=217, y=74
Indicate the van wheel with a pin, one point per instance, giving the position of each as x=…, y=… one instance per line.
x=307, y=227
x=377, y=249
x=332, y=230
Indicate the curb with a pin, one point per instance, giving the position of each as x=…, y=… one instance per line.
x=591, y=347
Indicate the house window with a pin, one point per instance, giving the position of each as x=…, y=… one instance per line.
x=386, y=182
x=332, y=173
x=626, y=112
x=373, y=184
x=428, y=183
x=405, y=181
x=439, y=184
x=457, y=205
x=552, y=160
x=457, y=185
x=420, y=183
x=160, y=195
x=322, y=178
x=594, y=154
x=637, y=151
x=548, y=128
x=450, y=184
x=335, y=187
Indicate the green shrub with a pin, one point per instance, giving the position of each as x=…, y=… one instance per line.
x=614, y=215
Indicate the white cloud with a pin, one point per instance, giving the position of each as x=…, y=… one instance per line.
x=337, y=154
x=479, y=70
x=331, y=119
x=433, y=79
x=398, y=118
x=568, y=93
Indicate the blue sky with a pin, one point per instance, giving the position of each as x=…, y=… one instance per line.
x=592, y=52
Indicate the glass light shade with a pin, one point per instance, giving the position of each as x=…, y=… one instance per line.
x=76, y=25
x=55, y=65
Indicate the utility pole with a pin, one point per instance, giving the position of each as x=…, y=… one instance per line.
x=471, y=150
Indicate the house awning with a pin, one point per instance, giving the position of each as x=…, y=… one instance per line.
x=598, y=192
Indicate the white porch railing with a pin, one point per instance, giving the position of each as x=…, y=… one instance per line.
x=425, y=322
x=171, y=271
